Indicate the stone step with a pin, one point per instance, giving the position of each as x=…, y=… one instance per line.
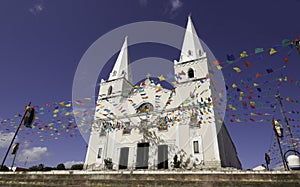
x=151, y=179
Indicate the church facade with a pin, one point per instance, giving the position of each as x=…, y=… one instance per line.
x=149, y=126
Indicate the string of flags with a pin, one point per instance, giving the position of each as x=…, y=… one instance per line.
x=56, y=119
x=258, y=53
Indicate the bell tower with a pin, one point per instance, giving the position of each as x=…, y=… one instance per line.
x=120, y=80
x=192, y=64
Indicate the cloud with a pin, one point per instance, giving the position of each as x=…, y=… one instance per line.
x=172, y=7
x=69, y=164
x=5, y=139
x=175, y=5
x=32, y=154
x=37, y=8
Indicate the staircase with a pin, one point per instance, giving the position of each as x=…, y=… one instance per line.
x=150, y=178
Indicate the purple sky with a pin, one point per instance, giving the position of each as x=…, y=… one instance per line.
x=42, y=42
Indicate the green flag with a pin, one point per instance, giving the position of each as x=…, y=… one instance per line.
x=285, y=42
x=259, y=50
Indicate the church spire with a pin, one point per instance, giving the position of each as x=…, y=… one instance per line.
x=191, y=47
x=121, y=67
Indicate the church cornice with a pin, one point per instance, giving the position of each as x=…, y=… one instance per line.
x=118, y=79
x=190, y=61
x=192, y=81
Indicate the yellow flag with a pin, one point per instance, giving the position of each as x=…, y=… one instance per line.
x=237, y=69
x=158, y=87
x=234, y=85
x=255, y=84
x=272, y=51
x=219, y=67
x=243, y=54
x=241, y=94
x=161, y=78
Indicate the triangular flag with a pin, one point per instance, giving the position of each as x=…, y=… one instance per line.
x=272, y=51
x=248, y=64
x=258, y=75
x=217, y=62
x=234, y=85
x=237, y=69
x=161, y=78
x=230, y=57
x=219, y=67
x=285, y=42
x=269, y=70
x=243, y=54
x=259, y=50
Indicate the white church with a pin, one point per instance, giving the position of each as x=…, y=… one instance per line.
x=144, y=126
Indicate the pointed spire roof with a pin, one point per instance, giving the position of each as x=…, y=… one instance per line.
x=121, y=67
x=191, y=47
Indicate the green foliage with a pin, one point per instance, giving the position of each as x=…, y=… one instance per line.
x=40, y=167
x=77, y=167
x=4, y=168
x=47, y=168
x=60, y=166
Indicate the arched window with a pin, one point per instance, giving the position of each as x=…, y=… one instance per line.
x=191, y=73
x=144, y=108
x=109, y=90
x=189, y=52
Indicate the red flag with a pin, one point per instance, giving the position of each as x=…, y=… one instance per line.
x=258, y=75
x=248, y=64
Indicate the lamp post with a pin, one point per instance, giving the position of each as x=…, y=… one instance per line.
x=278, y=134
x=286, y=121
x=12, y=141
x=14, y=152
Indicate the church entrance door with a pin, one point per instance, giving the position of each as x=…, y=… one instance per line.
x=162, y=157
x=123, y=164
x=142, y=156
